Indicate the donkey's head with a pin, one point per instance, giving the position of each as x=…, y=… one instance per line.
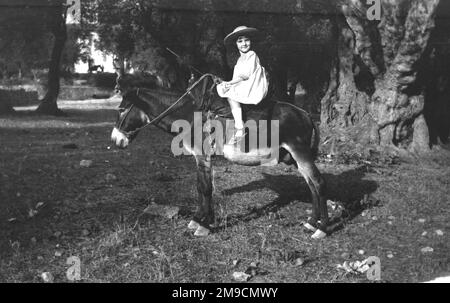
x=131, y=118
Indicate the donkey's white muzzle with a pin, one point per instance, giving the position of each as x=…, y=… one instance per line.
x=119, y=138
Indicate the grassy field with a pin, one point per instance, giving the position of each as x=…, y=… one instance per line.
x=52, y=208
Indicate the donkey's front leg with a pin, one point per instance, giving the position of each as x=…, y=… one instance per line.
x=204, y=216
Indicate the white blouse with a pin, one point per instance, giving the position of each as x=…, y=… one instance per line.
x=255, y=85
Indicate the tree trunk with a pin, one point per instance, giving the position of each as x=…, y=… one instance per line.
x=48, y=104
x=376, y=95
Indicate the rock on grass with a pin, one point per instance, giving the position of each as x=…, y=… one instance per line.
x=241, y=276
x=47, y=277
x=427, y=250
x=86, y=163
x=110, y=177
x=165, y=211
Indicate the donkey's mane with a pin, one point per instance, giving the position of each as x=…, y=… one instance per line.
x=160, y=96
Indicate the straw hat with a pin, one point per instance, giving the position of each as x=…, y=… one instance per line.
x=243, y=30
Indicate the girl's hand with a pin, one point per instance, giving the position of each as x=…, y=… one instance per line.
x=225, y=86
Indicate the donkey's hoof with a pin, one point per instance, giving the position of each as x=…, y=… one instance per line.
x=309, y=227
x=193, y=225
x=318, y=235
x=201, y=232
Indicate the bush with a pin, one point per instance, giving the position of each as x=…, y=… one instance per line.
x=103, y=80
x=19, y=97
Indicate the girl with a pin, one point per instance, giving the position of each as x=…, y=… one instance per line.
x=249, y=84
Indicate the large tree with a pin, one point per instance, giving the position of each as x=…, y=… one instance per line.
x=33, y=33
x=377, y=91
x=56, y=15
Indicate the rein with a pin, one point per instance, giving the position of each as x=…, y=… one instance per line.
x=216, y=80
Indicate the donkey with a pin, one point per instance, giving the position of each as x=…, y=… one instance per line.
x=298, y=139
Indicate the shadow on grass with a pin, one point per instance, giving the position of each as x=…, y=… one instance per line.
x=29, y=119
x=349, y=189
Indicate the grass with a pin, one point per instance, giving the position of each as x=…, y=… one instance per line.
x=96, y=213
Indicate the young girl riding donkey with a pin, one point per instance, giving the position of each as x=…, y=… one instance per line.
x=250, y=86
x=298, y=135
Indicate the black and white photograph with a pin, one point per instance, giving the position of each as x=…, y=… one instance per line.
x=243, y=144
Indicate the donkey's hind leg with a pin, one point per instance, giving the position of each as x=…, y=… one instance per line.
x=204, y=216
x=316, y=184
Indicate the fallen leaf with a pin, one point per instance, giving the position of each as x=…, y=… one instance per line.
x=241, y=276
x=86, y=163
x=110, y=177
x=427, y=250
x=299, y=262
x=354, y=267
x=47, y=277
x=32, y=213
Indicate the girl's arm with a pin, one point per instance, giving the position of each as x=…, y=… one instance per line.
x=250, y=65
x=236, y=81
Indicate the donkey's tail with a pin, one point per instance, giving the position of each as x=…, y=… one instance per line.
x=315, y=140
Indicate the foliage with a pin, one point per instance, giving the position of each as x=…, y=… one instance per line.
x=141, y=31
x=25, y=40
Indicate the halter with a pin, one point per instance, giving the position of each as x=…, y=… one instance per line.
x=216, y=80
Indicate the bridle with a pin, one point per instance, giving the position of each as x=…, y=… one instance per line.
x=203, y=105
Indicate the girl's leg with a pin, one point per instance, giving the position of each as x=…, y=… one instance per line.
x=237, y=115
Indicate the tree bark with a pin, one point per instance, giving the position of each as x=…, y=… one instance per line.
x=375, y=94
x=49, y=104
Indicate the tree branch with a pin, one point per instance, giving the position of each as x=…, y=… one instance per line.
x=367, y=44
x=418, y=27
x=391, y=27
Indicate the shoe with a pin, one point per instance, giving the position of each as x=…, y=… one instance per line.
x=237, y=136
